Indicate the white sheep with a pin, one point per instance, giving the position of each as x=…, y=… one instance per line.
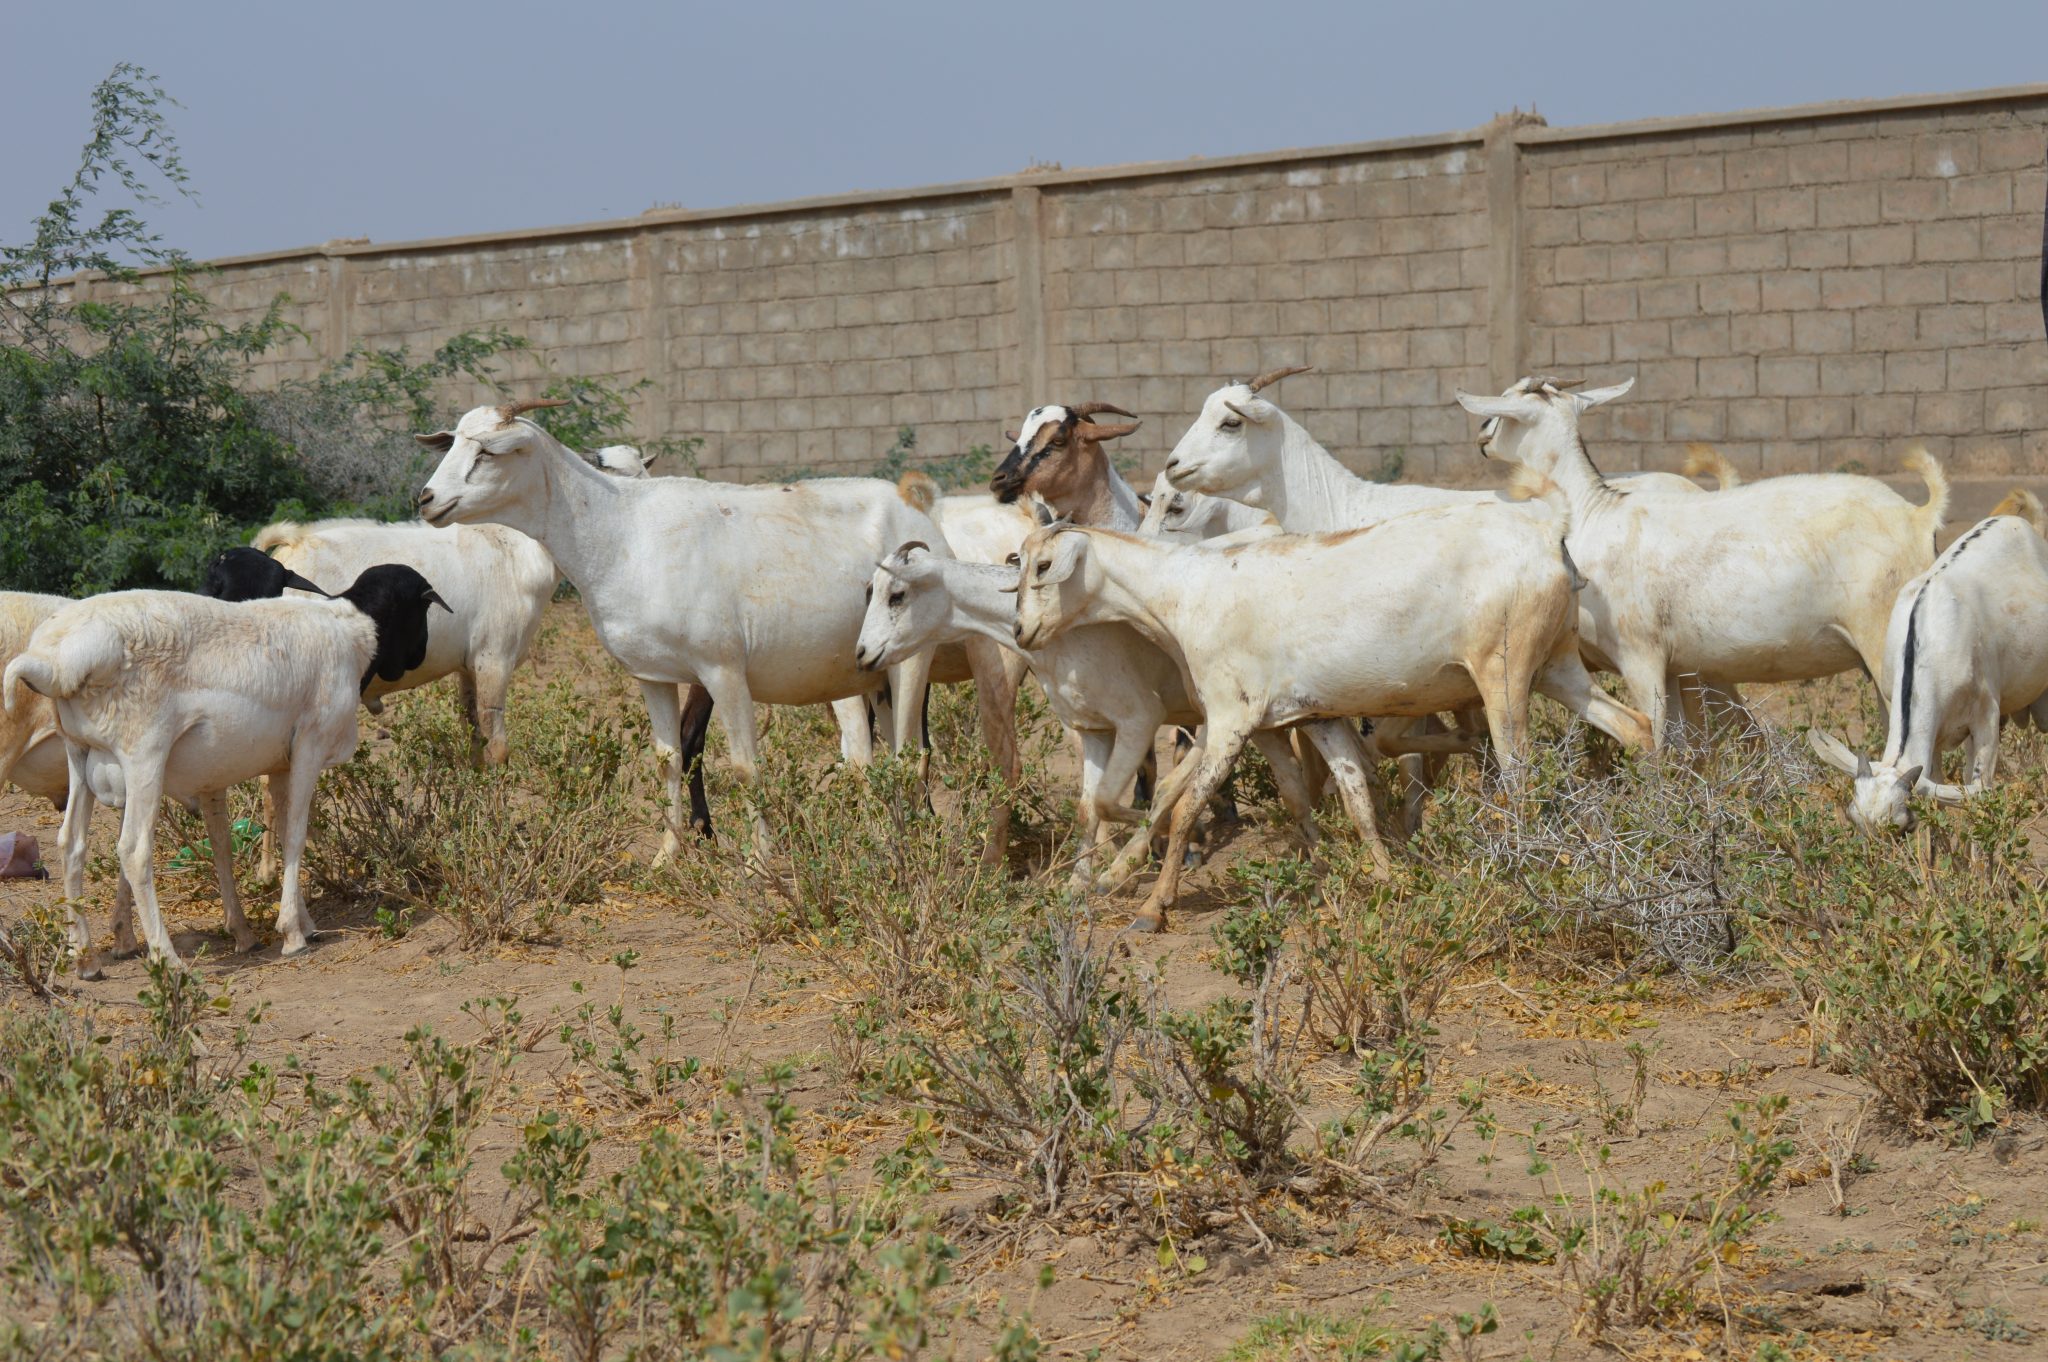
x=1781, y=580
x=754, y=592
x=1966, y=647
x=1421, y=613
x=32, y=756
x=497, y=582
x=163, y=693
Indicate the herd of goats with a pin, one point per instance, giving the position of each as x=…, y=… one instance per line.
x=1261, y=592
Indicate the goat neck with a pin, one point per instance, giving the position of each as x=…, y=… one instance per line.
x=1131, y=586
x=1305, y=485
x=578, y=518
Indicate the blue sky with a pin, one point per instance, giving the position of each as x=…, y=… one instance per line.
x=394, y=121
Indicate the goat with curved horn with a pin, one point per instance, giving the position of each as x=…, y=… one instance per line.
x=1272, y=376
x=524, y=405
x=1087, y=411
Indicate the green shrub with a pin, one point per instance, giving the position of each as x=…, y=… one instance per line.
x=501, y=853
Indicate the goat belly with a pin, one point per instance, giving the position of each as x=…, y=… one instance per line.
x=217, y=752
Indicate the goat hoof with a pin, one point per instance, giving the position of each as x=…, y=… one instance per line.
x=126, y=950
x=246, y=942
x=92, y=970
x=292, y=948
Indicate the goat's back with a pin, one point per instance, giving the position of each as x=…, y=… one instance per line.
x=495, y=580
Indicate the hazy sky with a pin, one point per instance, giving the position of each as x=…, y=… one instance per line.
x=305, y=122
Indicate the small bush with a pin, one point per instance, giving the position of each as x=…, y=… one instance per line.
x=500, y=853
x=1941, y=1002
x=1640, y=1255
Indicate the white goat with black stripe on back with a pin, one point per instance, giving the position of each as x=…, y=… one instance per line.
x=1966, y=647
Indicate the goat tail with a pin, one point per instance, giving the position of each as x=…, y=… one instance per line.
x=2024, y=504
x=1703, y=460
x=275, y=536
x=36, y=673
x=1930, y=517
x=918, y=491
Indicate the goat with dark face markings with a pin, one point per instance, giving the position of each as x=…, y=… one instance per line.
x=1057, y=455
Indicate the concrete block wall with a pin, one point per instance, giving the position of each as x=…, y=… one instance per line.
x=1371, y=267
x=1805, y=288
x=1804, y=294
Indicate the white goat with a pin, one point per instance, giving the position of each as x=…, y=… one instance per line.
x=1106, y=683
x=1421, y=613
x=1192, y=517
x=164, y=693
x=753, y=592
x=1780, y=580
x=1967, y=646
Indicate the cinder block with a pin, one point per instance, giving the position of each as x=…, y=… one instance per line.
x=1788, y=376
x=1981, y=282
x=1756, y=418
x=1696, y=420
x=1637, y=262
x=1729, y=293
x=1667, y=298
x=1823, y=333
x=1607, y=222
x=1641, y=340
x=1758, y=168
x=1912, y=200
x=1983, y=195
x=1694, y=175
x=1609, y=302
x=1852, y=287
x=1726, y=214
x=1790, y=290
x=1815, y=418
x=1763, y=252
x=1889, y=245
x=1948, y=413
x=1880, y=330
x=1699, y=336
x=1846, y=205
x=1957, y=239
x=1952, y=324
x=1884, y=414
x=1916, y=372
x=1662, y=219
x=1697, y=257
x=1851, y=375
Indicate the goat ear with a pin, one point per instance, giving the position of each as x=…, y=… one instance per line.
x=1833, y=752
x=441, y=440
x=1479, y=405
x=1066, y=556
x=1100, y=433
x=1043, y=513
x=1593, y=397
x=1950, y=795
x=1258, y=411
